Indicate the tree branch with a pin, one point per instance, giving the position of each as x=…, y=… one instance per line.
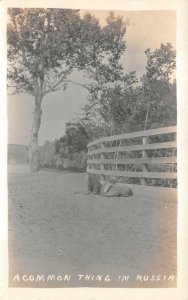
x=24, y=58
x=52, y=88
x=15, y=86
x=66, y=81
x=77, y=83
x=55, y=85
x=11, y=94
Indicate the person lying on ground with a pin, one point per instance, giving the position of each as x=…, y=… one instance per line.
x=116, y=189
x=106, y=188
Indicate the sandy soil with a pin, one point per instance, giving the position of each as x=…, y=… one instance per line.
x=53, y=230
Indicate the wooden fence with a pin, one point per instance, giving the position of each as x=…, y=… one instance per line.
x=132, y=154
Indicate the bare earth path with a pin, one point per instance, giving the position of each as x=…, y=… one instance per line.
x=53, y=231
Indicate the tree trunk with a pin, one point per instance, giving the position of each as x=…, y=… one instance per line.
x=34, y=161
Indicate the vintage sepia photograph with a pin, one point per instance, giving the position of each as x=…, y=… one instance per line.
x=92, y=151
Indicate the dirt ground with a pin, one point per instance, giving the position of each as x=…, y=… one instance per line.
x=53, y=230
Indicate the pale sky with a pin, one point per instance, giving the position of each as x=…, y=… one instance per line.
x=148, y=29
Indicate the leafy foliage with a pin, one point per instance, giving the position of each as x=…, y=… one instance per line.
x=130, y=105
x=52, y=43
x=155, y=83
x=74, y=141
x=45, y=46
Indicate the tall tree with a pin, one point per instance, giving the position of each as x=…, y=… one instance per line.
x=115, y=103
x=45, y=46
x=156, y=84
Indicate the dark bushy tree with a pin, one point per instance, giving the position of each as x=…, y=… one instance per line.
x=75, y=139
x=72, y=147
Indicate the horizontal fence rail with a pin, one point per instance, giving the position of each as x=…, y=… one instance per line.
x=137, y=174
x=157, y=160
x=131, y=135
x=155, y=156
x=134, y=148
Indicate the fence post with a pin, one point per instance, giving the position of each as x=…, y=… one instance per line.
x=90, y=157
x=102, y=165
x=92, y=165
x=144, y=167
